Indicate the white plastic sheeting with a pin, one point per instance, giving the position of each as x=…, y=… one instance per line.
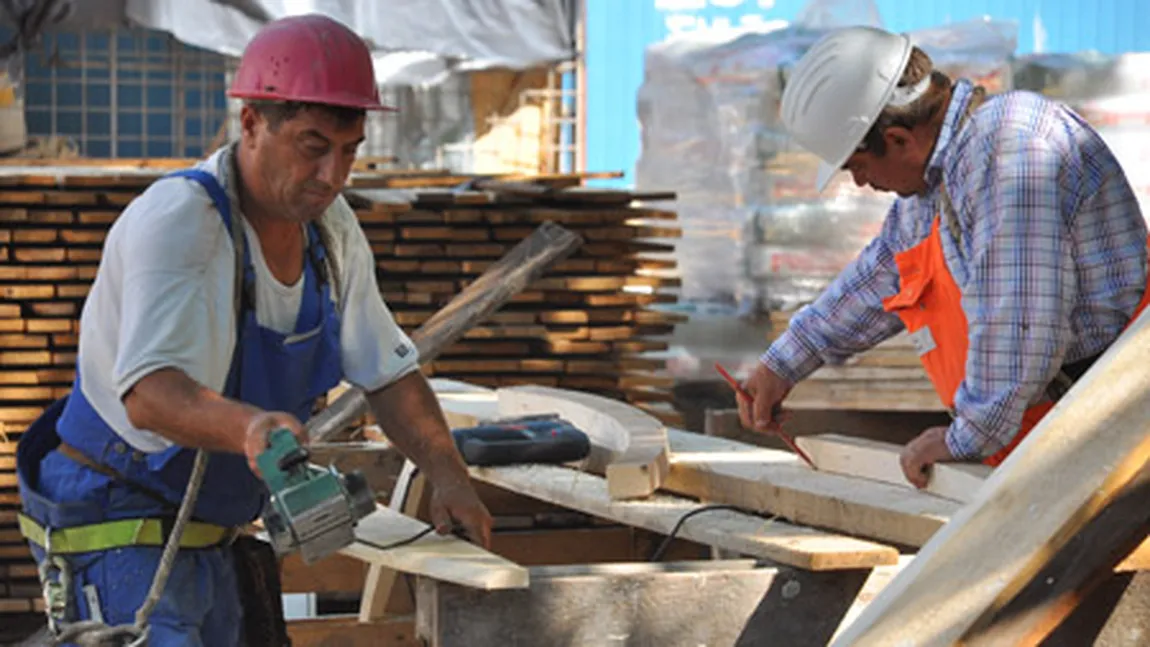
x=417, y=41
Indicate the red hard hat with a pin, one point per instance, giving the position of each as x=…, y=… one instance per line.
x=309, y=58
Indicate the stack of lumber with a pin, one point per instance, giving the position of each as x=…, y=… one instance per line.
x=586, y=324
x=590, y=323
x=889, y=377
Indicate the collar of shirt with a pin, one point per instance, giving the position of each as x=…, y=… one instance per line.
x=959, y=98
x=227, y=173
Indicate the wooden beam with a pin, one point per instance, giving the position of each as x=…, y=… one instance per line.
x=444, y=557
x=1138, y=560
x=1070, y=467
x=379, y=585
x=879, y=461
x=782, y=542
x=347, y=631
x=637, y=442
x=1079, y=568
x=512, y=273
x=334, y=574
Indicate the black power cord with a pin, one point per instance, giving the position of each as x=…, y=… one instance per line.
x=657, y=554
x=402, y=542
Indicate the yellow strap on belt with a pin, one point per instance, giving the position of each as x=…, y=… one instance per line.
x=120, y=534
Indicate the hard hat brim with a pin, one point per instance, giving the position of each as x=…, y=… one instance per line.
x=349, y=102
x=825, y=175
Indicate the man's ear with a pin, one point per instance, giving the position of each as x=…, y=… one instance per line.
x=897, y=137
x=250, y=123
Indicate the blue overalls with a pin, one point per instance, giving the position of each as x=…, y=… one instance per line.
x=276, y=372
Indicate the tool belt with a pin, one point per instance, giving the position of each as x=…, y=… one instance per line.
x=122, y=534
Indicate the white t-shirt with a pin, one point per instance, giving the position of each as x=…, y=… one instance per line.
x=163, y=298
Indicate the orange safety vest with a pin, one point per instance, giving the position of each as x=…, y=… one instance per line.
x=929, y=304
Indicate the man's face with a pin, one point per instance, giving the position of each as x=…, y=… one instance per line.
x=899, y=170
x=304, y=162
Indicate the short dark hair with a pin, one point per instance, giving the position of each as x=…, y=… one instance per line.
x=277, y=112
x=918, y=112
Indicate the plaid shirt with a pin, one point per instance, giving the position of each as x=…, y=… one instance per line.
x=1051, y=267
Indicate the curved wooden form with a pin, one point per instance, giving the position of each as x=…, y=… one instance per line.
x=638, y=460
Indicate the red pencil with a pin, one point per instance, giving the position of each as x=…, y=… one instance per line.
x=777, y=428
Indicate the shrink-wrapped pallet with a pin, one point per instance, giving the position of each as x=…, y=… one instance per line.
x=757, y=237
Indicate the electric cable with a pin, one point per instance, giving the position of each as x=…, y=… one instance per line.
x=657, y=554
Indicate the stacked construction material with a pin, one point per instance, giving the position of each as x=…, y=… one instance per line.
x=889, y=377
x=710, y=109
x=591, y=322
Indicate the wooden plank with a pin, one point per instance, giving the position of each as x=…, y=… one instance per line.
x=510, y=275
x=1079, y=568
x=348, y=631
x=1137, y=560
x=529, y=547
x=1074, y=463
x=334, y=574
x=879, y=461
x=637, y=442
x=778, y=482
x=443, y=557
x=379, y=584
x=805, y=548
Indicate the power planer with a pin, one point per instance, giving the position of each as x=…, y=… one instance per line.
x=314, y=510
x=311, y=509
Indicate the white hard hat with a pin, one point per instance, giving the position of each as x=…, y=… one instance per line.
x=839, y=88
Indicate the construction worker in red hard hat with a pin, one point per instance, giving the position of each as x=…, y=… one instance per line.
x=230, y=297
x=1014, y=255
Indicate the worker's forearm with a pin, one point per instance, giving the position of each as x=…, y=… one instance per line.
x=175, y=406
x=409, y=414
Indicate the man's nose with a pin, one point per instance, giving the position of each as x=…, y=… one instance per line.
x=328, y=171
x=859, y=178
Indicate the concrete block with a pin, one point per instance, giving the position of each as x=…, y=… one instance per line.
x=680, y=604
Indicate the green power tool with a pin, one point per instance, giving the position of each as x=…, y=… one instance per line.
x=311, y=509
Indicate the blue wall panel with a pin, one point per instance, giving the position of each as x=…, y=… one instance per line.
x=167, y=100
x=618, y=31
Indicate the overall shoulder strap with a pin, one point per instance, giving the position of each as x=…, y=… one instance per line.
x=323, y=235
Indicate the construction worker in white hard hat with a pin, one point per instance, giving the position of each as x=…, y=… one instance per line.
x=230, y=297
x=1014, y=255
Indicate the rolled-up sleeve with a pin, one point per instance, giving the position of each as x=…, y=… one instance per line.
x=847, y=318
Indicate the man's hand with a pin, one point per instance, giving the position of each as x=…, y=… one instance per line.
x=922, y=452
x=256, y=435
x=457, y=503
x=768, y=391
